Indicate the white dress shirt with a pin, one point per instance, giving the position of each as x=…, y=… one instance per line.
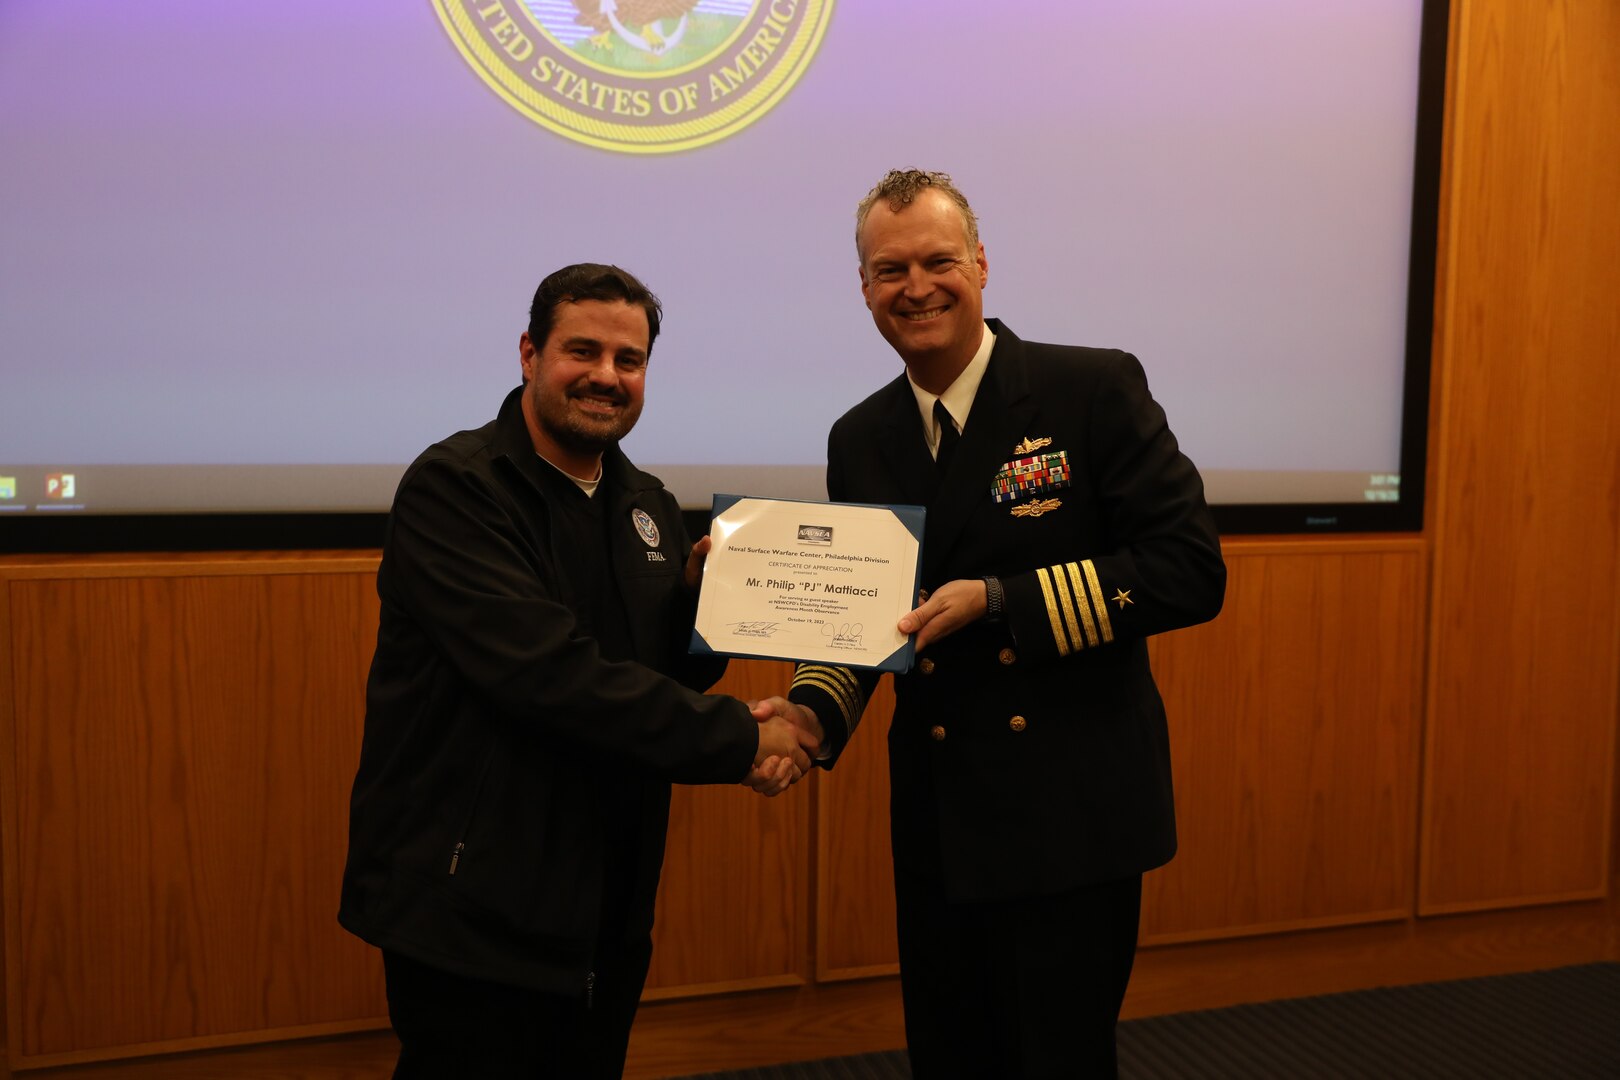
x=958, y=397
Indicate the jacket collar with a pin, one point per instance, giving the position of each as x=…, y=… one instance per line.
x=511, y=440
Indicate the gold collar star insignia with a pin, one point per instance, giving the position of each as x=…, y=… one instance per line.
x=1123, y=597
x=1029, y=446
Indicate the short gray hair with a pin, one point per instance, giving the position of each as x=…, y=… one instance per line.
x=901, y=187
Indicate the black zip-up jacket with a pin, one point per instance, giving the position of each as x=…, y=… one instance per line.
x=495, y=730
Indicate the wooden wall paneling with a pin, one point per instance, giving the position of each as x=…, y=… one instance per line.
x=1519, y=777
x=734, y=904
x=1295, y=724
x=184, y=748
x=682, y=1038
x=855, y=931
x=1217, y=973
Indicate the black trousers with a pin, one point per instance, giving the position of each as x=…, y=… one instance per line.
x=451, y=1027
x=1019, y=988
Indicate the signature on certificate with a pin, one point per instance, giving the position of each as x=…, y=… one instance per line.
x=753, y=629
x=842, y=633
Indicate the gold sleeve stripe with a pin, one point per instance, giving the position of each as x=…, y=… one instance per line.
x=820, y=682
x=857, y=699
x=857, y=696
x=1066, y=602
x=833, y=692
x=801, y=670
x=839, y=675
x=1098, y=601
x=839, y=685
x=1052, y=611
x=835, y=680
x=1080, y=602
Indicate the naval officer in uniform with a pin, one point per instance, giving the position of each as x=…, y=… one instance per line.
x=1029, y=755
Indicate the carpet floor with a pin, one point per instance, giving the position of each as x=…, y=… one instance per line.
x=1562, y=1024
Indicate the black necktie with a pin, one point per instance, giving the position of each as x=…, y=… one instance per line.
x=948, y=437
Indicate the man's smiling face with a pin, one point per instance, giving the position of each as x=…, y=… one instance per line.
x=586, y=381
x=923, y=281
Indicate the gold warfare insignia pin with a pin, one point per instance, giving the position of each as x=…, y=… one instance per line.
x=1036, y=508
x=1029, y=446
x=638, y=76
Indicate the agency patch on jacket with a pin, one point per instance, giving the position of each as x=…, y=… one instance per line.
x=1036, y=474
x=646, y=527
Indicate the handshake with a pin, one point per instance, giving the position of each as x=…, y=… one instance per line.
x=789, y=738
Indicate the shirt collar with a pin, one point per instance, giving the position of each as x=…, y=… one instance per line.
x=587, y=486
x=958, y=397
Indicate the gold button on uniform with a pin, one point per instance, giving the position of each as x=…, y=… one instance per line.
x=938, y=732
x=926, y=666
x=1018, y=723
x=1007, y=656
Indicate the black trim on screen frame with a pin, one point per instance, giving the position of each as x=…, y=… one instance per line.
x=88, y=533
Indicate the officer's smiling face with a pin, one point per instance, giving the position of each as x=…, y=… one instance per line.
x=923, y=280
x=585, y=383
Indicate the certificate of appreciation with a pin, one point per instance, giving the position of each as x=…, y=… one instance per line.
x=826, y=582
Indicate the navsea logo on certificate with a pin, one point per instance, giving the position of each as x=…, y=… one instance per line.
x=638, y=76
x=815, y=534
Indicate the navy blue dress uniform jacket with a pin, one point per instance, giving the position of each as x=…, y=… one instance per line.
x=1031, y=757
x=495, y=731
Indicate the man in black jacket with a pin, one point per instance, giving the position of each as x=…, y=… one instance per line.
x=1029, y=756
x=530, y=702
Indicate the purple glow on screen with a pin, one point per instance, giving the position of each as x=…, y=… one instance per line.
x=307, y=232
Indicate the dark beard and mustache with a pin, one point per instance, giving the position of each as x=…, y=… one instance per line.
x=580, y=432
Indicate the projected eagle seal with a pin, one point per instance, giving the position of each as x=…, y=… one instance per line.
x=638, y=76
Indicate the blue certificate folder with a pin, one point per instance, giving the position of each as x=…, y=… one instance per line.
x=813, y=538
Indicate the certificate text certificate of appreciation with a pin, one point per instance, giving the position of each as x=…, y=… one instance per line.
x=815, y=581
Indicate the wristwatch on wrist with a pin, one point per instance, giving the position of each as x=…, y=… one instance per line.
x=992, y=600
